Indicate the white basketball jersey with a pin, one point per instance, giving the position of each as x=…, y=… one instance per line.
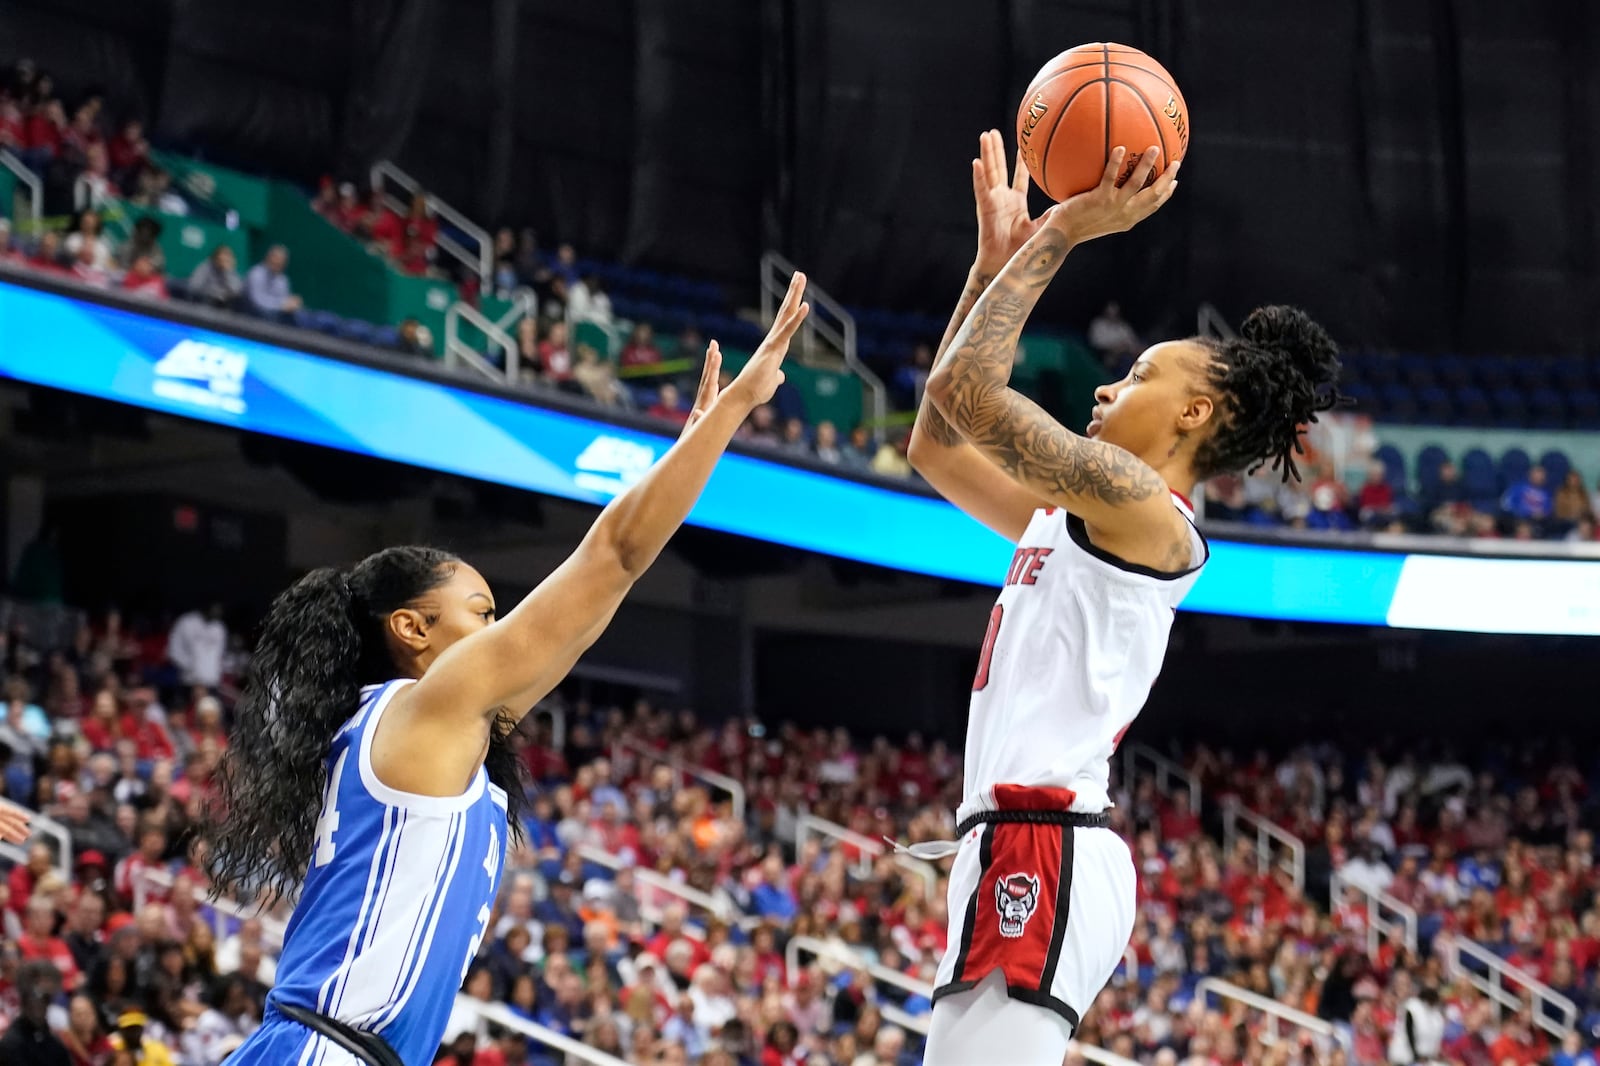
x=1074, y=644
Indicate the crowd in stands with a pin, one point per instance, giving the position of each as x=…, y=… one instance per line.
x=115, y=734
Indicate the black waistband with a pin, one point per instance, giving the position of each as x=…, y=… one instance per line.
x=1076, y=819
x=370, y=1048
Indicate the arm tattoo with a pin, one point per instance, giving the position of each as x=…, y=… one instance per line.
x=931, y=421
x=1012, y=430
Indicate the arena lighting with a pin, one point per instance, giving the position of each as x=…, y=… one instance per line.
x=156, y=362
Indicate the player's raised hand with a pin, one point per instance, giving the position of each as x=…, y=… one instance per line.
x=1111, y=208
x=1002, y=201
x=14, y=823
x=710, y=376
x=763, y=374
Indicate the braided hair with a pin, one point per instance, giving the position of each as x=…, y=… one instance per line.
x=1274, y=378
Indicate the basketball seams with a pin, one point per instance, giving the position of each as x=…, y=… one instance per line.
x=1044, y=153
x=1155, y=120
x=1105, y=54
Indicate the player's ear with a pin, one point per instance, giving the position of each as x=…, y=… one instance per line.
x=409, y=627
x=1196, y=413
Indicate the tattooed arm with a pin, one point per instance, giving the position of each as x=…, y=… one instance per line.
x=957, y=469
x=1120, y=497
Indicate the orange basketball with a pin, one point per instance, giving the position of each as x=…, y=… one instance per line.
x=1089, y=100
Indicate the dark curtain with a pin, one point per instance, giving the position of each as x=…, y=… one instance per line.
x=1419, y=175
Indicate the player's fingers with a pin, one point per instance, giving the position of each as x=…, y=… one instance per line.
x=708, y=376
x=1141, y=172
x=986, y=153
x=1108, y=177
x=791, y=299
x=1019, y=180
x=979, y=186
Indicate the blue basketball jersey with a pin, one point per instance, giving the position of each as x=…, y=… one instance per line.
x=396, y=899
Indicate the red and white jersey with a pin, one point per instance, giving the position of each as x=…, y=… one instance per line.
x=1075, y=643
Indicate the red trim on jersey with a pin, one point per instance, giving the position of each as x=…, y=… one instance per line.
x=1182, y=499
x=1023, y=798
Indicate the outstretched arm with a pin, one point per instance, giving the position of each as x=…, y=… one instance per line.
x=938, y=452
x=1111, y=489
x=507, y=667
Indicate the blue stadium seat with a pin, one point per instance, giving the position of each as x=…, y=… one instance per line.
x=1510, y=408
x=354, y=329
x=1478, y=478
x=1399, y=403
x=1363, y=397
x=1493, y=373
x=386, y=337
x=1381, y=370
x=1574, y=373
x=1418, y=371
x=321, y=321
x=1583, y=409
x=1547, y=409
x=1394, y=466
x=1531, y=372
x=1556, y=465
x=1429, y=460
x=1435, y=406
x=625, y=307
x=1472, y=407
x=1514, y=464
x=1453, y=371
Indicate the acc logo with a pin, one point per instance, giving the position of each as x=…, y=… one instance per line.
x=1015, y=897
x=609, y=464
x=205, y=375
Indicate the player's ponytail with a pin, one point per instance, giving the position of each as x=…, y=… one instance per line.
x=1275, y=378
x=302, y=684
x=322, y=640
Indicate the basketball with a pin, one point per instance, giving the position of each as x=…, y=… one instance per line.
x=1087, y=101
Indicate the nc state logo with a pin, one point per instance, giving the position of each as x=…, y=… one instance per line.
x=1015, y=897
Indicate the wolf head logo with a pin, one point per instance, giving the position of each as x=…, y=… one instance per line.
x=1016, y=898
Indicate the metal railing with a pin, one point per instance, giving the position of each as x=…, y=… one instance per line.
x=1386, y=915
x=870, y=849
x=42, y=826
x=29, y=181
x=682, y=769
x=457, y=352
x=1267, y=833
x=1278, y=1014
x=719, y=903
x=1505, y=985
x=829, y=321
x=504, y=1016
x=479, y=261
x=1211, y=323
x=1167, y=772
x=221, y=910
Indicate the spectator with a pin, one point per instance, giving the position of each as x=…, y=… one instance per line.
x=29, y=1041
x=505, y=262
x=129, y=152
x=267, y=286
x=412, y=234
x=145, y=240
x=1367, y=870
x=144, y=279
x=858, y=453
x=641, y=349
x=88, y=233
x=131, y=1036
x=827, y=448
x=1112, y=337
x=47, y=256
x=9, y=252
x=555, y=355
x=587, y=301
x=153, y=191
x=794, y=437
x=415, y=339
x=86, y=271
x=94, y=187
x=196, y=645
x=47, y=131
x=669, y=405
x=13, y=126
x=350, y=214
x=39, y=943
x=1583, y=531
x=1528, y=499
x=1444, y=503
x=597, y=377
x=890, y=460
x=85, y=1035
x=216, y=281
x=1375, y=503
x=1419, y=1031
x=1571, y=503
x=762, y=427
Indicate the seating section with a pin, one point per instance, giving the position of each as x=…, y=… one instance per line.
x=1524, y=392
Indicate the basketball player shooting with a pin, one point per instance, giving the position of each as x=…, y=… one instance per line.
x=1042, y=893
x=370, y=767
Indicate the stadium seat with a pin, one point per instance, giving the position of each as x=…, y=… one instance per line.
x=1453, y=371
x=1574, y=373
x=1514, y=465
x=1493, y=373
x=1399, y=403
x=1556, y=465
x=1472, y=407
x=1363, y=398
x=1429, y=460
x=1478, y=478
x=1583, y=410
x=1510, y=408
x=1531, y=372
x=1394, y=466
x=1417, y=371
x=1435, y=406
x=1547, y=409
x=1381, y=370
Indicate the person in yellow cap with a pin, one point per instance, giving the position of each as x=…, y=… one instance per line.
x=129, y=1036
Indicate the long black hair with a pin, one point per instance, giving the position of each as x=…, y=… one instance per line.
x=1276, y=376
x=322, y=640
